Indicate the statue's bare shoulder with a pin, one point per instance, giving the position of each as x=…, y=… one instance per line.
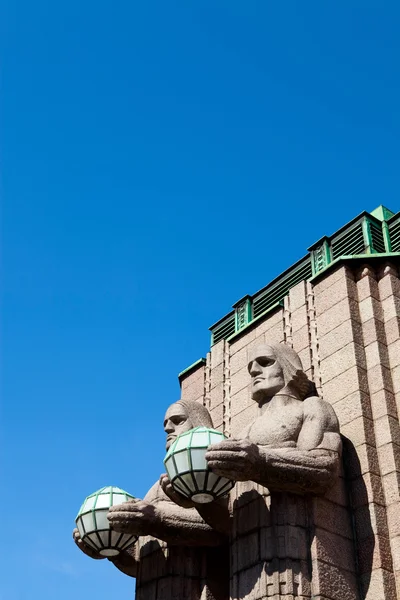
x=317, y=409
x=320, y=430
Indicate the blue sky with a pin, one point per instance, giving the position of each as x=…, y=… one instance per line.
x=159, y=161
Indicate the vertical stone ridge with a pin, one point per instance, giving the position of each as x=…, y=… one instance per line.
x=378, y=403
x=287, y=322
x=313, y=337
x=226, y=391
x=341, y=371
x=207, y=382
x=389, y=292
x=387, y=424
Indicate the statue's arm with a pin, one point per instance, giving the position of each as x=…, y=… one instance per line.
x=216, y=514
x=177, y=525
x=161, y=518
x=310, y=466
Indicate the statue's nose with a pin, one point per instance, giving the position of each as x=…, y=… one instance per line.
x=169, y=428
x=255, y=369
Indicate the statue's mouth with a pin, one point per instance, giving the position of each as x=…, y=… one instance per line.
x=258, y=380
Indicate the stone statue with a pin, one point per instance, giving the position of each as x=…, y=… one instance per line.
x=178, y=555
x=294, y=444
x=289, y=454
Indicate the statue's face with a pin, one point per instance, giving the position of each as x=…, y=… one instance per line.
x=266, y=373
x=176, y=422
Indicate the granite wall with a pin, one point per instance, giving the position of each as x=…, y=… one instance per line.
x=345, y=546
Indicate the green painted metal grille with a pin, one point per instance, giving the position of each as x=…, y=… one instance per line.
x=319, y=258
x=394, y=233
x=224, y=329
x=377, y=233
x=243, y=314
x=349, y=242
x=278, y=289
x=377, y=240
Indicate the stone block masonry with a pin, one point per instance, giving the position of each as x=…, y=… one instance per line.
x=345, y=325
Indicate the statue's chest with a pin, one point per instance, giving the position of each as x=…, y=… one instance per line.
x=277, y=427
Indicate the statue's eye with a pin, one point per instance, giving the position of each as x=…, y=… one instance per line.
x=265, y=362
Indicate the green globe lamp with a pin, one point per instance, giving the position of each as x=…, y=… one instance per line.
x=94, y=527
x=188, y=470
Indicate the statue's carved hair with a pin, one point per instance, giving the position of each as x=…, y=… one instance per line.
x=197, y=413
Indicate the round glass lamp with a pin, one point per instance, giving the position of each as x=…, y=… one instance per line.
x=94, y=527
x=188, y=470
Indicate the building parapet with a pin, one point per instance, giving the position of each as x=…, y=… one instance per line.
x=369, y=234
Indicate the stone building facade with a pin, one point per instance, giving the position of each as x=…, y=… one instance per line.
x=342, y=316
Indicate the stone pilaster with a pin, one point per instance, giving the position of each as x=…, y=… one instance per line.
x=193, y=385
x=389, y=450
x=332, y=319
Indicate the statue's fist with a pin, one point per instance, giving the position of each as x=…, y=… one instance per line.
x=176, y=497
x=136, y=517
x=84, y=547
x=235, y=459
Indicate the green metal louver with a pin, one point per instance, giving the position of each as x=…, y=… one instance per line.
x=394, y=233
x=223, y=329
x=279, y=288
x=349, y=242
x=376, y=233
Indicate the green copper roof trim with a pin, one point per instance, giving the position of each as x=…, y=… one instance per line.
x=321, y=255
x=342, y=229
x=229, y=314
x=369, y=234
x=386, y=236
x=243, y=312
x=246, y=297
x=382, y=213
x=192, y=367
x=255, y=321
x=281, y=275
x=354, y=257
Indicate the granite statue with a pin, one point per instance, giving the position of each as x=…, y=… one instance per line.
x=287, y=456
x=178, y=554
x=294, y=444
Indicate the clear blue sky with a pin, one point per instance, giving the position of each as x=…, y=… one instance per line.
x=159, y=161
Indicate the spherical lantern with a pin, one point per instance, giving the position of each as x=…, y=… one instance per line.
x=94, y=527
x=188, y=470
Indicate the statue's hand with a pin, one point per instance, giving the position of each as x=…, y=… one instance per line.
x=136, y=517
x=84, y=547
x=176, y=497
x=235, y=459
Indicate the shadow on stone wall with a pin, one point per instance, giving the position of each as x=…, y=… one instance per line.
x=363, y=534
x=167, y=572
x=270, y=545
x=273, y=534
x=217, y=569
